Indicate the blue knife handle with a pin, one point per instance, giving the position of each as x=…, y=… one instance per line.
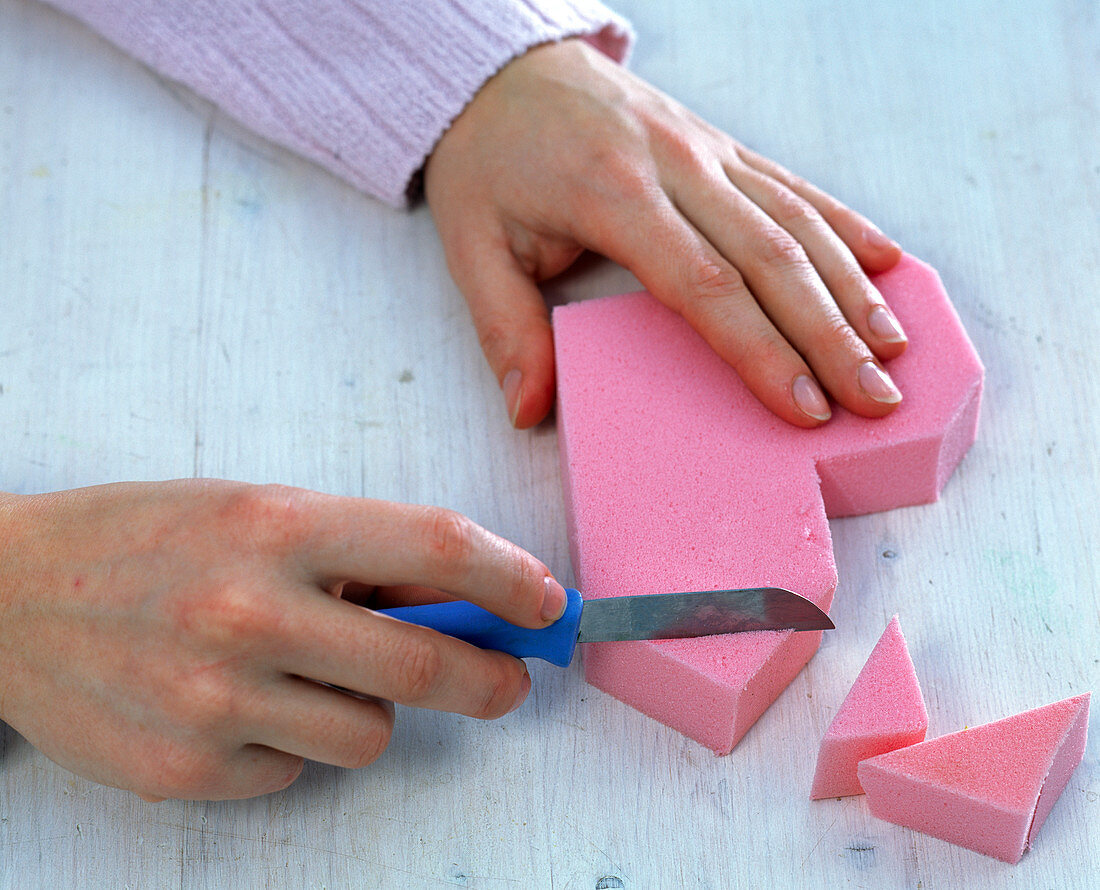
x=485, y=630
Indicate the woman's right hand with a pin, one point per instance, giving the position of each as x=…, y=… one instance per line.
x=183, y=639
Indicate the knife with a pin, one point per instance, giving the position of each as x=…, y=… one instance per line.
x=658, y=616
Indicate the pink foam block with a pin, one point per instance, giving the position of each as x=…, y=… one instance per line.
x=884, y=710
x=676, y=478
x=988, y=788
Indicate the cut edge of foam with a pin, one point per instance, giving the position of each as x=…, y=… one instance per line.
x=960, y=433
x=1067, y=751
x=728, y=712
x=840, y=474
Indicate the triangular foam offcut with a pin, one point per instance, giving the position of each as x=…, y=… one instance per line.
x=883, y=711
x=988, y=788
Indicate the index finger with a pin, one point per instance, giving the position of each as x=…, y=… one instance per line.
x=388, y=544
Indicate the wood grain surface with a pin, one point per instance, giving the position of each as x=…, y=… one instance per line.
x=179, y=298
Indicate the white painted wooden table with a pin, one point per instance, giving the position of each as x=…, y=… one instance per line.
x=179, y=298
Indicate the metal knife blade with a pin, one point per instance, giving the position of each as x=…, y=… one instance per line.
x=669, y=616
x=660, y=616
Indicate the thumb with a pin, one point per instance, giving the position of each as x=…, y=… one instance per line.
x=513, y=327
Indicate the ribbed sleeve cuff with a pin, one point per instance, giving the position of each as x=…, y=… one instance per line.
x=363, y=87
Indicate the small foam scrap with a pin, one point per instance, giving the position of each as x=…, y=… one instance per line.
x=677, y=478
x=988, y=788
x=883, y=711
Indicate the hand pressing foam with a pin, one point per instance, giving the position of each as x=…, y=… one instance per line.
x=883, y=711
x=988, y=788
x=676, y=478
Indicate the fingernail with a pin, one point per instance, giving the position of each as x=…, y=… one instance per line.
x=877, y=384
x=553, y=600
x=524, y=689
x=513, y=392
x=883, y=325
x=877, y=239
x=809, y=398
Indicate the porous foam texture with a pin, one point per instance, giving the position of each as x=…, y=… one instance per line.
x=988, y=788
x=677, y=478
x=883, y=711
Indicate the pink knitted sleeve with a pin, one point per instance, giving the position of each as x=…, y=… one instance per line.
x=363, y=87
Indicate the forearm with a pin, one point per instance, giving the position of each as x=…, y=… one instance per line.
x=365, y=90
